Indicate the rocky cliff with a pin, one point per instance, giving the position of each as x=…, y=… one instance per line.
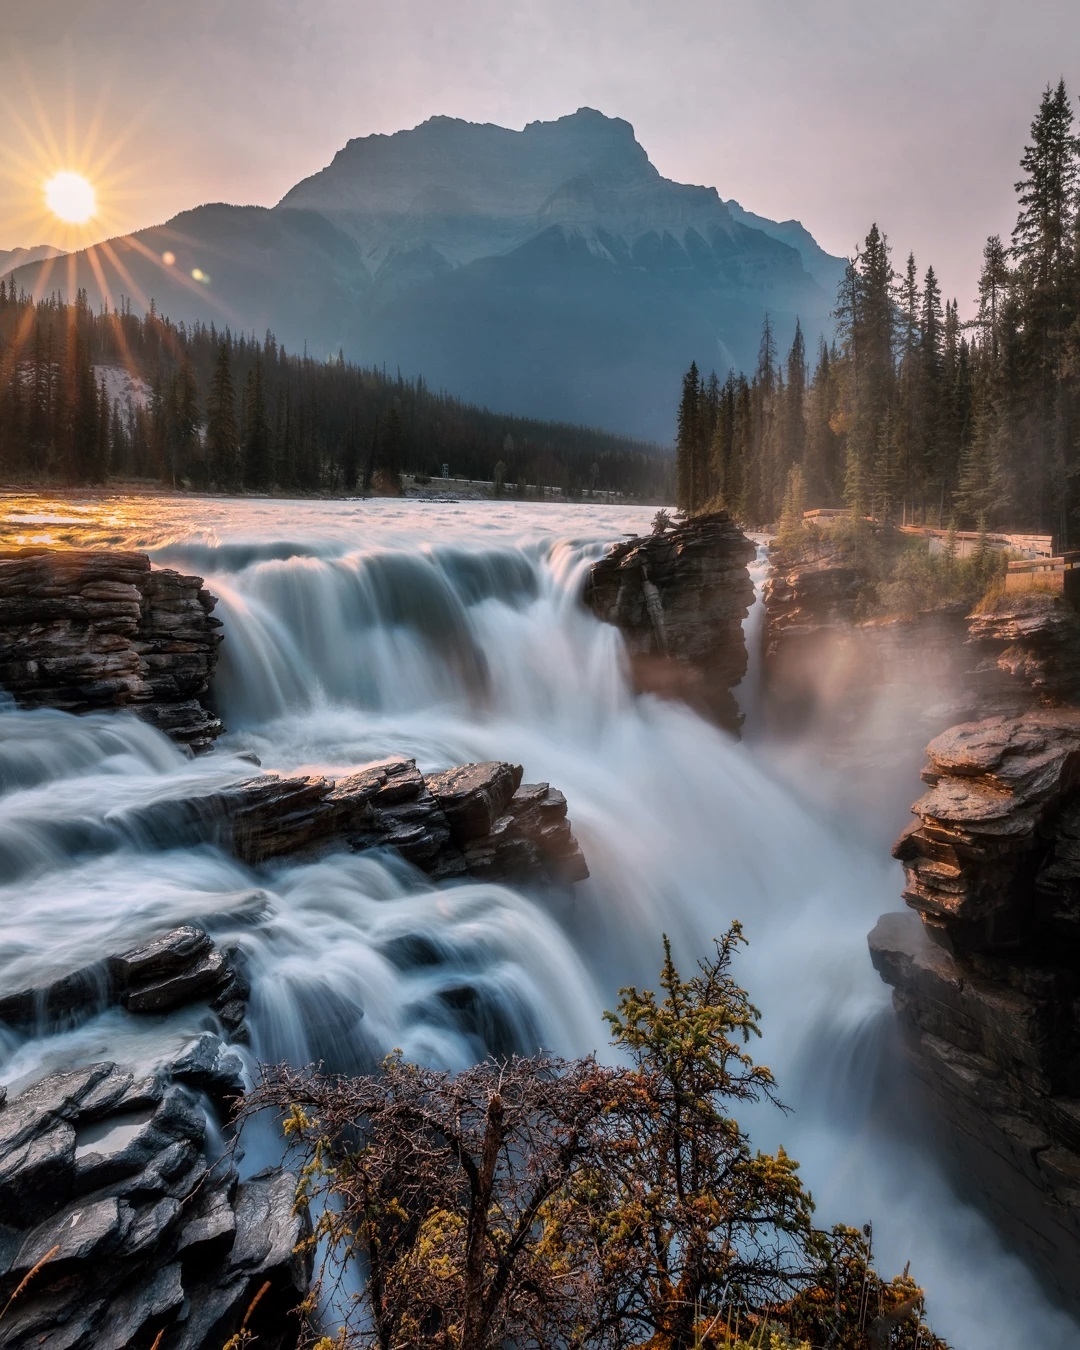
x=123, y=1220
x=1027, y=648
x=680, y=598
x=82, y=630
x=986, y=970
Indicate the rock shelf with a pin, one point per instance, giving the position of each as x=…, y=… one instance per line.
x=83, y=630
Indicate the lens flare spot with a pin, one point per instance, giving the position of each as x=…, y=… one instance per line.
x=168, y=258
x=70, y=197
x=200, y=275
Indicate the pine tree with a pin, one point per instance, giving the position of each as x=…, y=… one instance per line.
x=687, y=441
x=185, y=440
x=222, y=436
x=256, y=431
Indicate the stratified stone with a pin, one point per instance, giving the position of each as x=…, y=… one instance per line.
x=146, y=1238
x=986, y=973
x=474, y=796
x=83, y=630
x=680, y=598
x=1033, y=639
x=178, y=968
x=448, y=824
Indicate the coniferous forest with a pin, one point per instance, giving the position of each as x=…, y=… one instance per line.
x=226, y=412
x=910, y=414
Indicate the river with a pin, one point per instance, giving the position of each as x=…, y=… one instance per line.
x=453, y=632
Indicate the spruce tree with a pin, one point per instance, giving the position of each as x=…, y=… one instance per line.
x=222, y=436
x=687, y=440
x=256, y=431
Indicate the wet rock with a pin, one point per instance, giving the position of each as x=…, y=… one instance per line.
x=211, y=1067
x=471, y=820
x=268, y=1248
x=150, y=1237
x=474, y=796
x=533, y=836
x=77, y=1233
x=174, y=970
x=83, y=630
x=680, y=599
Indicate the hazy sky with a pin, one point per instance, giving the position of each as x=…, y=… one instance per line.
x=912, y=113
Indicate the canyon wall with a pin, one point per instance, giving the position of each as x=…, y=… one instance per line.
x=680, y=596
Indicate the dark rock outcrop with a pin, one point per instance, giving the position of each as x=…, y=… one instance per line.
x=111, y=1195
x=680, y=598
x=476, y=820
x=83, y=630
x=172, y=971
x=987, y=985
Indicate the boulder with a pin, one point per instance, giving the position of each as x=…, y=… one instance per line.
x=83, y=630
x=679, y=599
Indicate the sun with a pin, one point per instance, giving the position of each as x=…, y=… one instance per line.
x=71, y=197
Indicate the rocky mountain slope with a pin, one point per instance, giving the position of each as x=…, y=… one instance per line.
x=552, y=272
x=11, y=258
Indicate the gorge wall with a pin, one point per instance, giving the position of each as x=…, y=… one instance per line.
x=984, y=962
x=679, y=597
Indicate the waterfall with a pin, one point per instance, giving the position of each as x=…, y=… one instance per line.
x=455, y=633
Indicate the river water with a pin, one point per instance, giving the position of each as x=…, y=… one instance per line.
x=453, y=632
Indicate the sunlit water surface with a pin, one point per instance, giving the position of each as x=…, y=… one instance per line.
x=454, y=632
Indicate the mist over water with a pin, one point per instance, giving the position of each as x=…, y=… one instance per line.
x=453, y=632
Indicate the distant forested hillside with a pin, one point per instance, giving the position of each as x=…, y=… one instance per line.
x=87, y=395
x=912, y=414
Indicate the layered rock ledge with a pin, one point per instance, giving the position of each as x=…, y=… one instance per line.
x=680, y=598
x=985, y=968
x=475, y=820
x=83, y=630
x=133, y=1220
x=118, y=1186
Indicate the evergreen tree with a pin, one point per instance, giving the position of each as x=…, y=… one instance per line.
x=222, y=436
x=687, y=440
x=256, y=431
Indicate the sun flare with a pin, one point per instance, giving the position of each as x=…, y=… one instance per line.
x=71, y=197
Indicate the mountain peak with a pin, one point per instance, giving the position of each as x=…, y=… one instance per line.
x=486, y=169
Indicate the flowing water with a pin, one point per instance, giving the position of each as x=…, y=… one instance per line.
x=454, y=632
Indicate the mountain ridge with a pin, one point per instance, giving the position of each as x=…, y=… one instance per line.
x=552, y=271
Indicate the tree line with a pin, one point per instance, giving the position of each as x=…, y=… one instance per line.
x=223, y=411
x=911, y=414
x=534, y=1202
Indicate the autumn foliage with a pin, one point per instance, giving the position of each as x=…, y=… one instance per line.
x=539, y=1203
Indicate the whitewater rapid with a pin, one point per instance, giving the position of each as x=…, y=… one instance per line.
x=454, y=632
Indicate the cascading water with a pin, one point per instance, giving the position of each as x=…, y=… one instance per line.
x=352, y=636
